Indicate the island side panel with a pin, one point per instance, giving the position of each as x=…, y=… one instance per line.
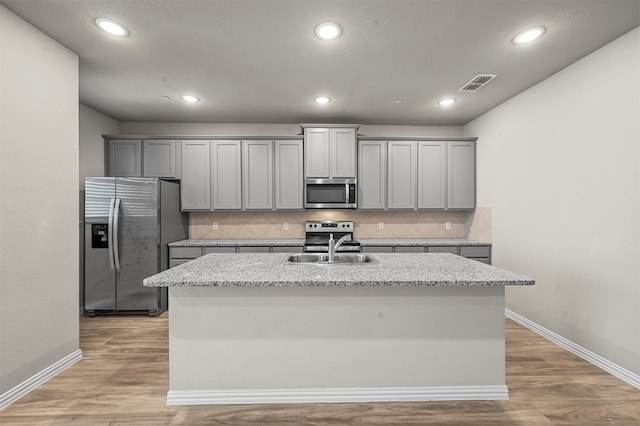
x=252, y=338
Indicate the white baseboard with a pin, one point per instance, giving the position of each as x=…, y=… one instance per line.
x=34, y=381
x=595, y=359
x=326, y=395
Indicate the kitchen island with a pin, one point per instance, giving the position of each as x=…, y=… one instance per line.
x=250, y=328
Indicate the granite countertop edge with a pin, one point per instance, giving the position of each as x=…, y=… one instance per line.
x=387, y=270
x=365, y=242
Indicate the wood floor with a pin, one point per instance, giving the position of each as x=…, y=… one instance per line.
x=123, y=380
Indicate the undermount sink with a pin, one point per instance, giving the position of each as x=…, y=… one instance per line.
x=323, y=259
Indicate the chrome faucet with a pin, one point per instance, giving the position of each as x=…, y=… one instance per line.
x=333, y=245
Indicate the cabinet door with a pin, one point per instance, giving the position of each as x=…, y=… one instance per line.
x=159, y=158
x=226, y=175
x=257, y=175
x=432, y=175
x=195, y=188
x=316, y=152
x=125, y=157
x=461, y=175
x=372, y=174
x=342, y=149
x=402, y=176
x=289, y=179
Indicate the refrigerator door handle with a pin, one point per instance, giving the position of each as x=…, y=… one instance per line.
x=116, y=214
x=110, y=233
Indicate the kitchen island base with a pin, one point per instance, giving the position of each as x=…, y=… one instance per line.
x=240, y=345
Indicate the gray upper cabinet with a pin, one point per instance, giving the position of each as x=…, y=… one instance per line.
x=461, y=175
x=372, y=174
x=226, y=175
x=342, y=148
x=330, y=152
x=288, y=175
x=316, y=146
x=196, y=179
x=160, y=158
x=124, y=157
x=432, y=175
x=401, y=174
x=257, y=175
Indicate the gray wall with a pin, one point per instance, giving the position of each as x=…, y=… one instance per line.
x=39, y=202
x=560, y=165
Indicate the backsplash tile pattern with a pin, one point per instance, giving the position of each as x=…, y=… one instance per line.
x=270, y=224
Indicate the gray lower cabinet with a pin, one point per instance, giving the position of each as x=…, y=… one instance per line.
x=286, y=249
x=289, y=175
x=372, y=174
x=257, y=175
x=196, y=178
x=410, y=249
x=377, y=249
x=401, y=175
x=180, y=255
x=226, y=175
x=124, y=157
x=250, y=249
x=443, y=249
x=227, y=249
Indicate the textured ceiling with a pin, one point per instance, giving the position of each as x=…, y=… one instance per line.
x=259, y=61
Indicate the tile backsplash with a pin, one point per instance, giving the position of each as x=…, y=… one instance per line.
x=396, y=224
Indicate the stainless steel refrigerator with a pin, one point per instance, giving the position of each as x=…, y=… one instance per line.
x=128, y=223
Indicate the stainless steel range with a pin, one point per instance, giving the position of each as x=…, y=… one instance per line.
x=318, y=234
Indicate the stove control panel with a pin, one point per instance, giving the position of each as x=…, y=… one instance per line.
x=328, y=226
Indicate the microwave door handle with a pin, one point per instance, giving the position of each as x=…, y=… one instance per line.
x=348, y=197
x=116, y=252
x=110, y=233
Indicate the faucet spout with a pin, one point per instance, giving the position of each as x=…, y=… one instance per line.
x=333, y=245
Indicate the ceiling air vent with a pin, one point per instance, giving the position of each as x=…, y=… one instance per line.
x=477, y=82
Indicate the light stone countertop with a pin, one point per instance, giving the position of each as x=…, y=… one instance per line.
x=294, y=242
x=389, y=270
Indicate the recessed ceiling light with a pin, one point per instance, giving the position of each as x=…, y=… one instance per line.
x=322, y=99
x=190, y=98
x=529, y=35
x=447, y=102
x=398, y=101
x=166, y=98
x=112, y=27
x=328, y=31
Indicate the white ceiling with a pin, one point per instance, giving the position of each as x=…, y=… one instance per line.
x=258, y=61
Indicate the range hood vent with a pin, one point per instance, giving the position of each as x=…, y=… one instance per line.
x=477, y=82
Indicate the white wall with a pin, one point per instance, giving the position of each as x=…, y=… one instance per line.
x=38, y=202
x=560, y=165
x=258, y=129
x=93, y=125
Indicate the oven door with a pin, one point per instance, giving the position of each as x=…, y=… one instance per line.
x=330, y=194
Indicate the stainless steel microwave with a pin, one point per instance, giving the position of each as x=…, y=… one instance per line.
x=330, y=193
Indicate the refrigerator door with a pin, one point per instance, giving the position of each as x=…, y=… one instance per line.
x=100, y=274
x=137, y=234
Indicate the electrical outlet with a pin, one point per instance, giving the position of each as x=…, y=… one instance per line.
x=380, y=225
x=215, y=225
x=286, y=226
x=447, y=226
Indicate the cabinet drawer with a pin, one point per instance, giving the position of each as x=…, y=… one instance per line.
x=413, y=249
x=443, y=249
x=287, y=249
x=380, y=249
x=475, y=251
x=185, y=252
x=253, y=249
x=481, y=259
x=174, y=262
x=208, y=250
